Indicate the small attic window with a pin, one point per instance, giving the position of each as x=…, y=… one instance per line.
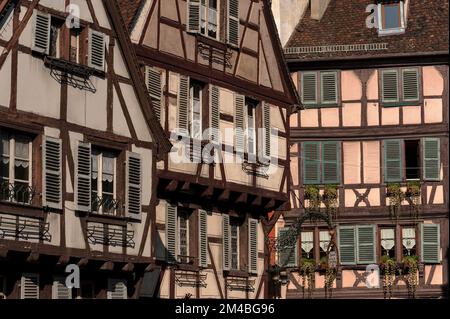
x=391, y=17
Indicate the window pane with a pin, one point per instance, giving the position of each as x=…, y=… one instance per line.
x=234, y=246
x=4, y=145
x=391, y=16
x=388, y=242
x=307, y=239
x=324, y=237
x=412, y=158
x=409, y=241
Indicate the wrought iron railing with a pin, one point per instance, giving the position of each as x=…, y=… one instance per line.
x=190, y=279
x=110, y=237
x=258, y=169
x=240, y=284
x=186, y=260
x=16, y=193
x=27, y=229
x=106, y=206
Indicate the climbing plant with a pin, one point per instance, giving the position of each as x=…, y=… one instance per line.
x=410, y=268
x=307, y=271
x=388, y=268
x=413, y=193
x=396, y=196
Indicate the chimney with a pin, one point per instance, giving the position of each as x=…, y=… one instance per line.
x=287, y=14
x=318, y=8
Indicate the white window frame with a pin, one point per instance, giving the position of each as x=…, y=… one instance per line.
x=180, y=214
x=100, y=176
x=205, y=11
x=401, y=29
x=191, y=110
x=12, y=158
x=233, y=224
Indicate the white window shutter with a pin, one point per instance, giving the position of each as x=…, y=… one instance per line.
x=29, y=286
x=59, y=289
x=253, y=246
x=96, y=50
x=133, y=179
x=226, y=242
x=203, y=238
x=171, y=233
x=233, y=22
x=51, y=175
x=154, y=87
x=41, y=35
x=183, y=103
x=214, y=99
x=239, y=105
x=267, y=129
x=83, y=177
x=193, y=16
x=117, y=289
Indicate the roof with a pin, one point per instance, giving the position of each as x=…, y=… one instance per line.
x=158, y=134
x=344, y=23
x=129, y=10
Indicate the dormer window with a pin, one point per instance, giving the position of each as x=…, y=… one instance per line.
x=391, y=17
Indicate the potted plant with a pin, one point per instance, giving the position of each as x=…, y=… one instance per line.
x=388, y=268
x=395, y=195
x=410, y=269
x=312, y=193
x=307, y=271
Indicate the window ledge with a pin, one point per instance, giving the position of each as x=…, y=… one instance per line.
x=399, y=104
x=386, y=32
x=106, y=219
x=236, y=273
x=77, y=69
x=321, y=106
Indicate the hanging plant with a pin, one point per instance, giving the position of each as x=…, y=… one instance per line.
x=413, y=193
x=307, y=271
x=410, y=269
x=330, y=196
x=312, y=193
x=388, y=268
x=396, y=196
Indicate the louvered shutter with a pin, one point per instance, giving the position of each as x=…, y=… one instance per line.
x=226, y=242
x=203, y=238
x=233, y=22
x=153, y=81
x=330, y=162
x=52, y=163
x=41, y=40
x=431, y=159
x=430, y=251
x=83, y=177
x=59, y=289
x=287, y=254
x=96, y=50
x=193, y=18
x=311, y=163
x=393, y=160
x=183, y=103
x=329, y=87
x=215, y=112
x=309, y=88
x=366, y=244
x=29, y=286
x=171, y=233
x=389, y=79
x=253, y=246
x=267, y=129
x=410, y=84
x=239, y=105
x=117, y=289
x=347, y=245
x=133, y=185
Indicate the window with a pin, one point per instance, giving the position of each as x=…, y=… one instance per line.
x=183, y=238
x=387, y=242
x=15, y=168
x=251, y=126
x=287, y=254
x=430, y=245
x=324, y=242
x=234, y=245
x=357, y=244
x=307, y=244
x=321, y=162
x=412, y=159
x=209, y=15
x=391, y=18
x=55, y=37
x=103, y=185
x=320, y=88
x=195, y=110
x=409, y=241
x=75, y=43
x=400, y=86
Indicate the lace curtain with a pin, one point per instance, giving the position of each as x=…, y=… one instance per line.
x=324, y=238
x=409, y=238
x=388, y=238
x=307, y=241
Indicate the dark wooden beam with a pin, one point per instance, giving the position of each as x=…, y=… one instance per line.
x=172, y=186
x=225, y=195
x=242, y=199
x=63, y=260
x=83, y=262
x=33, y=257
x=128, y=267
x=109, y=265
x=208, y=192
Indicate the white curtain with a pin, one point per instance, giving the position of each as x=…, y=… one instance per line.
x=324, y=237
x=307, y=241
x=409, y=237
x=388, y=238
x=108, y=169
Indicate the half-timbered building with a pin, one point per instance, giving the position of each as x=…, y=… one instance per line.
x=218, y=65
x=369, y=151
x=79, y=141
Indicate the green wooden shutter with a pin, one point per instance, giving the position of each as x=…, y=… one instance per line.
x=183, y=103
x=171, y=233
x=430, y=250
x=431, y=159
x=366, y=244
x=309, y=88
x=226, y=256
x=393, y=165
x=410, y=84
x=330, y=162
x=193, y=16
x=347, y=245
x=329, y=87
x=203, y=238
x=311, y=162
x=287, y=254
x=253, y=246
x=389, y=79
